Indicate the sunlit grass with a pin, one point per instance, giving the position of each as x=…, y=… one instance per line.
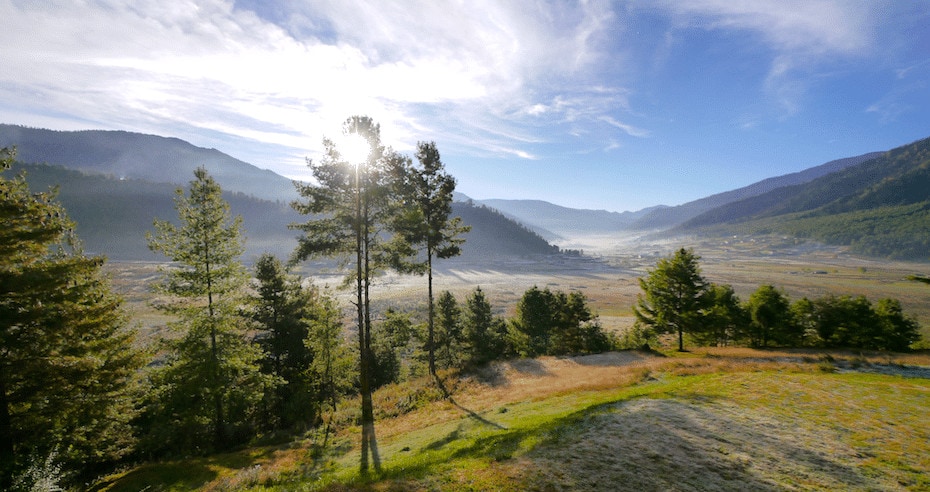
x=538, y=424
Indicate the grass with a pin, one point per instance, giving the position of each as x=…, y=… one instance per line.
x=708, y=419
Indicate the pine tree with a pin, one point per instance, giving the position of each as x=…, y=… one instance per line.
x=67, y=361
x=485, y=334
x=280, y=311
x=350, y=205
x=210, y=385
x=449, y=336
x=674, y=295
x=423, y=225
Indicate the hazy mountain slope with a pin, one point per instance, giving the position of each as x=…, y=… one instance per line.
x=563, y=221
x=879, y=207
x=113, y=216
x=495, y=235
x=146, y=157
x=669, y=217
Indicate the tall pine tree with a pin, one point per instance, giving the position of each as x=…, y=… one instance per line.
x=210, y=385
x=67, y=361
x=424, y=226
x=350, y=205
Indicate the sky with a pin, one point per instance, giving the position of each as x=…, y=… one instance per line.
x=613, y=105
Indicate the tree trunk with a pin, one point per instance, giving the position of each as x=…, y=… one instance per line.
x=431, y=326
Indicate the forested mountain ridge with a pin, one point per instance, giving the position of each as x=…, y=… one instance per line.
x=669, y=217
x=880, y=207
x=138, y=156
x=554, y=221
x=113, y=215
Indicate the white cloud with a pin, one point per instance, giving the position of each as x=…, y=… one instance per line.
x=145, y=65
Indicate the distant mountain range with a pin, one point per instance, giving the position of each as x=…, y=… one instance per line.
x=668, y=217
x=878, y=207
x=146, y=157
x=115, y=183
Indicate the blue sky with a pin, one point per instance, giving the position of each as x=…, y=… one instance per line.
x=615, y=105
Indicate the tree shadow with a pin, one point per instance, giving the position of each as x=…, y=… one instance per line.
x=471, y=413
x=616, y=358
x=531, y=367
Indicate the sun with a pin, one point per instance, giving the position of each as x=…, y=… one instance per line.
x=354, y=149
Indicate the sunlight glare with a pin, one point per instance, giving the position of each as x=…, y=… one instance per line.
x=354, y=149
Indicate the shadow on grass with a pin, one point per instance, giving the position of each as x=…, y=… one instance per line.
x=178, y=475
x=471, y=413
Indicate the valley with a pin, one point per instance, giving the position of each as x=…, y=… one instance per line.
x=608, y=277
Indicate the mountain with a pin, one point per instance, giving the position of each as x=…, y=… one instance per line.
x=555, y=222
x=145, y=157
x=879, y=207
x=113, y=215
x=668, y=217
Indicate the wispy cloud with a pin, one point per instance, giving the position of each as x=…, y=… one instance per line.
x=288, y=74
x=800, y=35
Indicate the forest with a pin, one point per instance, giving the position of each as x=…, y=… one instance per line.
x=261, y=355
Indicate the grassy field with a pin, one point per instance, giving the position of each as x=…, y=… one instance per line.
x=714, y=419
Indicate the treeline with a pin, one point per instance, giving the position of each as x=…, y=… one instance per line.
x=469, y=335
x=677, y=299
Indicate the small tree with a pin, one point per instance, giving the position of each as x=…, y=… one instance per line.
x=449, y=336
x=332, y=370
x=723, y=318
x=485, y=334
x=67, y=361
x=898, y=331
x=211, y=382
x=280, y=312
x=534, y=323
x=674, y=295
x=770, y=312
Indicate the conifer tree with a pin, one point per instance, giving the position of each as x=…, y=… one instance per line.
x=423, y=225
x=485, y=334
x=280, y=311
x=67, y=361
x=674, y=295
x=350, y=204
x=210, y=385
x=449, y=336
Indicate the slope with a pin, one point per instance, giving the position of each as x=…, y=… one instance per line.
x=668, y=217
x=146, y=157
x=554, y=221
x=880, y=207
x=714, y=419
x=113, y=216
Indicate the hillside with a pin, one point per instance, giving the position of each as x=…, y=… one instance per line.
x=712, y=419
x=668, y=217
x=113, y=216
x=880, y=207
x=554, y=221
x=146, y=157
